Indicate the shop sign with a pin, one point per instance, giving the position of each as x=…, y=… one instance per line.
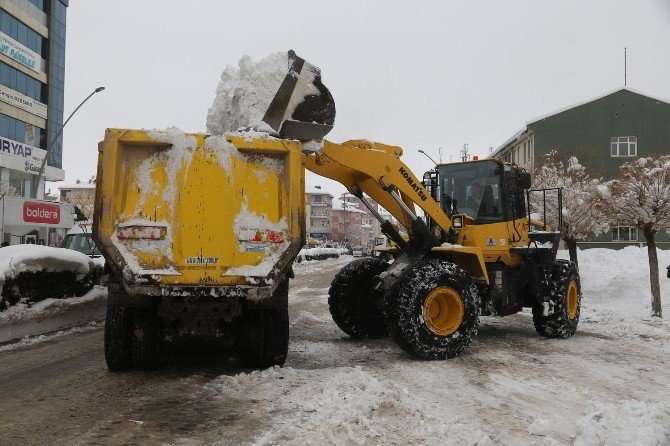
x=20, y=53
x=19, y=156
x=36, y=212
x=13, y=97
x=25, y=212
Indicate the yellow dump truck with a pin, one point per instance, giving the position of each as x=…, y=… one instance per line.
x=199, y=234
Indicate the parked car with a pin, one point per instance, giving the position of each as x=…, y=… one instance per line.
x=79, y=238
x=357, y=251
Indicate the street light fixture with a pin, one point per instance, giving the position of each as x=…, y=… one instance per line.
x=421, y=151
x=36, y=185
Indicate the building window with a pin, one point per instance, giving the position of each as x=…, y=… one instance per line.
x=90, y=194
x=623, y=146
x=624, y=234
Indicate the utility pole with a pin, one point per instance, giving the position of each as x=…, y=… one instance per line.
x=440, y=150
x=625, y=67
x=465, y=155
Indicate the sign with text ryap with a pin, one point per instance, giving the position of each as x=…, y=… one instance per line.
x=13, y=97
x=22, y=54
x=20, y=156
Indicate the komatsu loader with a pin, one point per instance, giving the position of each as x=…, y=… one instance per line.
x=193, y=266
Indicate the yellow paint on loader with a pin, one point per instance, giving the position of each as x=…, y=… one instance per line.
x=197, y=200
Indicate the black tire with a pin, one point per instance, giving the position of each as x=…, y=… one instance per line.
x=145, y=338
x=353, y=302
x=265, y=333
x=118, y=350
x=558, y=320
x=404, y=309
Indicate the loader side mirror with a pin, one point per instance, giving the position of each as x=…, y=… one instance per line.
x=523, y=180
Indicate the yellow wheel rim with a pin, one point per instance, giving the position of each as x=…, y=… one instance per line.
x=573, y=299
x=443, y=311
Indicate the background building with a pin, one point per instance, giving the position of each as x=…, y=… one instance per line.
x=32, y=74
x=350, y=226
x=602, y=133
x=319, y=204
x=80, y=194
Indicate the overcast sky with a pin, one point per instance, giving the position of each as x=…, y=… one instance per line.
x=421, y=74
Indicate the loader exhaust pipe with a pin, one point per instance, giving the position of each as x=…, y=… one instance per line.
x=302, y=108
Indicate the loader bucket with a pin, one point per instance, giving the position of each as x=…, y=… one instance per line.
x=303, y=108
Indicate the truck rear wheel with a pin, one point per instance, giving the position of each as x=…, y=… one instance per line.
x=432, y=310
x=145, y=336
x=558, y=315
x=118, y=324
x=353, y=302
x=264, y=334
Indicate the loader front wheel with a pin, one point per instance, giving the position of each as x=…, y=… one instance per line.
x=353, y=302
x=558, y=315
x=118, y=350
x=432, y=310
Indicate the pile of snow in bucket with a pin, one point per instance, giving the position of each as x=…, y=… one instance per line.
x=244, y=94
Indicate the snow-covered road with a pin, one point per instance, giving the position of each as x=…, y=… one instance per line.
x=609, y=384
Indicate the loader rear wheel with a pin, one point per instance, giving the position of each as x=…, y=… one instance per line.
x=353, y=302
x=558, y=315
x=264, y=334
x=118, y=352
x=432, y=310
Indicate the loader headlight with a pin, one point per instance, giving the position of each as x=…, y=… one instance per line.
x=457, y=221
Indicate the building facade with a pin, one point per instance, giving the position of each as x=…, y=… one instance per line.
x=350, y=227
x=32, y=75
x=319, y=205
x=602, y=133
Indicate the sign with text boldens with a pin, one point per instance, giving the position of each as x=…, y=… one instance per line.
x=26, y=212
x=20, y=53
x=13, y=97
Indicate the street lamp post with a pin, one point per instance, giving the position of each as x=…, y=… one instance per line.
x=55, y=138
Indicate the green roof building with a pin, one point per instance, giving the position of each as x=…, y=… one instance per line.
x=602, y=133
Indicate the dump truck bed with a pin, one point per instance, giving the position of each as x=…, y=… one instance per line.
x=197, y=214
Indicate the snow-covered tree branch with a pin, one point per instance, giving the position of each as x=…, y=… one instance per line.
x=641, y=197
x=581, y=213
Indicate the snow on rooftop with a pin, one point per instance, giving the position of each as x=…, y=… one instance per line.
x=566, y=108
x=339, y=205
x=82, y=185
x=316, y=191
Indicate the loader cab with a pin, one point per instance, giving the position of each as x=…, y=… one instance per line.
x=488, y=191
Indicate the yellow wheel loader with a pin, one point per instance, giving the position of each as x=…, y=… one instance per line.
x=200, y=232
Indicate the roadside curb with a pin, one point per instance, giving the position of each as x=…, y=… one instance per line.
x=61, y=315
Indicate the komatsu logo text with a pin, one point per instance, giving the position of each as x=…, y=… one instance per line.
x=413, y=184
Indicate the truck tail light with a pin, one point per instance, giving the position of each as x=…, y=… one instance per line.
x=141, y=232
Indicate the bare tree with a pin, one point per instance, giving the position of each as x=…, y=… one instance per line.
x=581, y=214
x=641, y=197
x=7, y=189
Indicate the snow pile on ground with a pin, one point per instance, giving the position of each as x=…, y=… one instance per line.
x=337, y=406
x=21, y=258
x=244, y=94
x=309, y=254
x=628, y=423
x=616, y=291
x=49, y=307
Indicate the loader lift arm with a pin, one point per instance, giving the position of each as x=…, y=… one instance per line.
x=376, y=169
